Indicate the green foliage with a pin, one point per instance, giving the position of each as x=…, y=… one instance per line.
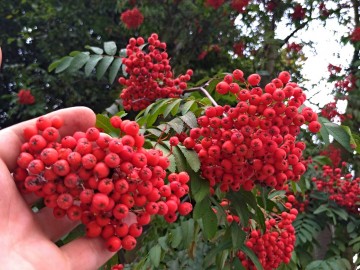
x=102, y=63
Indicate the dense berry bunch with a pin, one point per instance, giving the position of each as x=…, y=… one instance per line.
x=275, y=245
x=255, y=141
x=342, y=188
x=294, y=47
x=132, y=18
x=239, y=5
x=333, y=153
x=149, y=74
x=214, y=3
x=299, y=13
x=239, y=48
x=347, y=84
x=113, y=185
x=355, y=35
x=298, y=201
x=25, y=97
x=330, y=111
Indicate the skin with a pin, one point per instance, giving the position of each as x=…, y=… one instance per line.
x=26, y=238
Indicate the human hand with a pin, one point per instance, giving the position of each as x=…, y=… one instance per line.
x=26, y=238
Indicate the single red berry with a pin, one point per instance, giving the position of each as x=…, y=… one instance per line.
x=113, y=243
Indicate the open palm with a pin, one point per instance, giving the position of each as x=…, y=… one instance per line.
x=26, y=238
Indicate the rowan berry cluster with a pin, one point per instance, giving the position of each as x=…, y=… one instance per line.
x=239, y=5
x=214, y=3
x=150, y=74
x=275, y=245
x=333, y=153
x=341, y=187
x=255, y=141
x=300, y=203
x=132, y=18
x=25, y=97
x=112, y=185
x=299, y=13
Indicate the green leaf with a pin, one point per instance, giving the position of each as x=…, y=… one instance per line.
x=339, y=135
x=260, y=218
x=252, y=257
x=236, y=264
x=96, y=50
x=103, y=66
x=323, y=131
x=79, y=61
x=64, y=64
x=90, y=65
x=103, y=122
x=179, y=158
x=174, y=105
x=323, y=160
x=188, y=231
x=190, y=119
x=176, y=237
x=155, y=255
x=350, y=227
x=210, y=223
x=357, y=239
x=199, y=187
x=74, y=53
x=155, y=111
x=276, y=193
x=213, y=252
x=110, y=47
x=122, y=52
x=321, y=208
x=352, y=141
x=163, y=242
x=191, y=157
x=200, y=208
x=313, y=265
x=114, y=69
x=357, y=142
x=154, y=131
x=237, y=235
x=324, y=265
x=186, y=107
x=53, y=65
x=177, y=125
x=341, y=213
x=240, y=207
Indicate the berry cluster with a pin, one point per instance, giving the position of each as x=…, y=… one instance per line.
x=342, y=188
x=25, y=97
x=239, y=5
x=132, y=18
x=239, y=48
x=333, y=153
x=300, y=203
x=113, y=185
x=275, y=245
x=214, y=3
x=255, y=141
x=299, y=13
x=355, y=35
x=149, y=74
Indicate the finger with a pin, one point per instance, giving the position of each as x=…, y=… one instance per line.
x=86, y=253
x=75, y=119
x=10, y=198
x=52, y=227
